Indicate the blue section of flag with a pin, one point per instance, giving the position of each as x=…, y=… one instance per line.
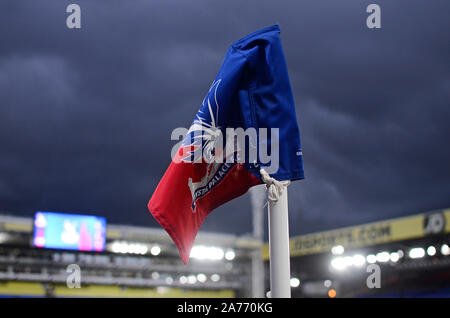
x=255, y=91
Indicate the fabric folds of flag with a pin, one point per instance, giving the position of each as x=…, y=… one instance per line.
x=251, y=90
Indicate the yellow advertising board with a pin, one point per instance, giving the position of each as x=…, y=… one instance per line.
x=398, y=229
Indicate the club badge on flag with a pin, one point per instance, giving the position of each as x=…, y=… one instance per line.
x=246, y=123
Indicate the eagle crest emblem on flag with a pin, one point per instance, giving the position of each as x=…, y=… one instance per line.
x=203, y=145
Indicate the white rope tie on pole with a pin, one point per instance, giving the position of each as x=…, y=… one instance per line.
x=274, y=187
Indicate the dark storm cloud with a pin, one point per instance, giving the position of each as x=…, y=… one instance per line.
x=86, y=115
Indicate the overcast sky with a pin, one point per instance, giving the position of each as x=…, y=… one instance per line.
x=86, y=115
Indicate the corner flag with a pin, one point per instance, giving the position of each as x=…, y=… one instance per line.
x=251, y=95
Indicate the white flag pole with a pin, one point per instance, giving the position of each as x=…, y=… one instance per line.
x=258, y=196
x=280, y=271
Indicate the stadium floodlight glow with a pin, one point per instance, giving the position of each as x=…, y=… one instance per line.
x=371, y=259
x=140, y=249
x=445, y=250
x=337, y=250
x=394, y=257
x=199, y=252
x=129, y=248
x=216, y=253
x=169, y=280
x=207, y=253
x=358, y=260
x=431, y=250
x=327, y=283
x=3, y=237
x=119, y=247
x=338, y=263
x=133, y=248
x=143, y=249
x=230, y=255
x=294, y=282
x=136, y=248
x=192, y=279
x=383, y=257
x=183, y=280
x=201, y=278
x=348, y=261
x=416, y=252
x=155, y=250
x=155, y=275
x=215, y=277
x=400, y=253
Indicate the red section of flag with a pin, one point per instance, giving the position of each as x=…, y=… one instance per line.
x=171, y=203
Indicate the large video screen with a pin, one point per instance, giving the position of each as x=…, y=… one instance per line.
x=69, y=231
